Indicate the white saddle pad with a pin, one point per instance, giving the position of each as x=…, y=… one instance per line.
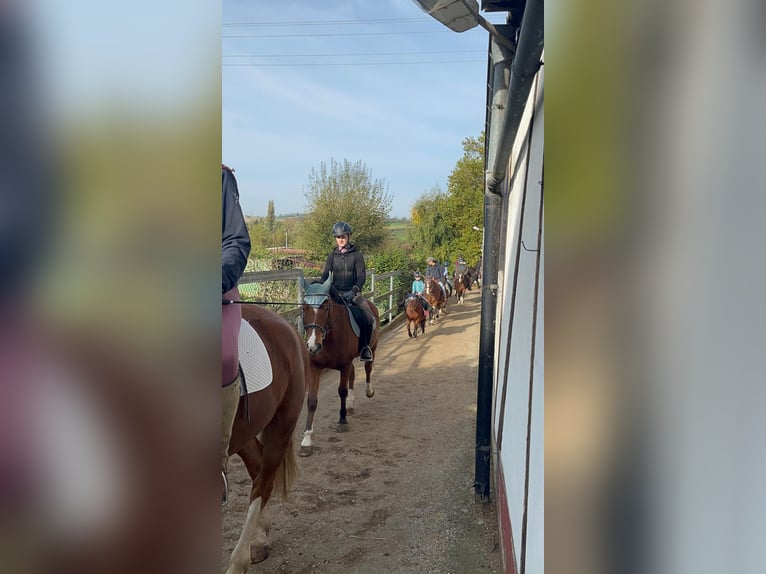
x=254, y=360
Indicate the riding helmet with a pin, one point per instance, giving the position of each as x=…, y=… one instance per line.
x=341, y=228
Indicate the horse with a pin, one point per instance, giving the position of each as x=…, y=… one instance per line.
x=462, y=283
x=475, y=276
x=416, y=316
x=436, y=298
x=332, y=344
x=263, y=431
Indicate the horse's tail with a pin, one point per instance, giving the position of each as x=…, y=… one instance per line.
x=287, y=471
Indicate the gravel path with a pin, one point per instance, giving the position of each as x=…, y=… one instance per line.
x=394, y=494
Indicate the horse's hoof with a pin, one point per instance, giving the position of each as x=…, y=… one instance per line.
x=350, y=410
x=341, y=427
x=259, y=553
x=306, y=451
x=370, y=394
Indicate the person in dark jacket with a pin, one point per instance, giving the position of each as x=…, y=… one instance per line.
x=235, y=248
x=348, y=276
x=434, y=271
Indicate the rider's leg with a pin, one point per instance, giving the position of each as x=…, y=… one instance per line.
x=365, y=331
x=229, y=403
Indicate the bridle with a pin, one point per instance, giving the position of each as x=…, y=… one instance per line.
x=317, y=301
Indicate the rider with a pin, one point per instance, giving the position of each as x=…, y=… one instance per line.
x=418, y=288
x=434, y=271
x=446, y=276
x=348, y=276
x=461, y=266
x=235, y=248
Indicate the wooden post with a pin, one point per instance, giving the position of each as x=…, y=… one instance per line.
x=390, y=297
x=372, y=285
x=299, y=319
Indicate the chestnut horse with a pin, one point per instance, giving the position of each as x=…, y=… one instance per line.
x=264, y=428
x=416, y=316
x=436, y=298
x=332, y=344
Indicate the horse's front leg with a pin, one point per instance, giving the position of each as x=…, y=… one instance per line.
x=307, y=446
x=350, y=398
x=369, y=391
x=343, y=393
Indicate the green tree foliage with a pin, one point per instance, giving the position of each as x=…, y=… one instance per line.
x=345, y=191
x=465, y=201
x=265, y=234
x=443, y=222
x=431, y=233
x=394, y=257
x=270, y=216
x=259, y=237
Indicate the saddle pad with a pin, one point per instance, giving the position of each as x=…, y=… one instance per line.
x=253, y=359
x=354, y=324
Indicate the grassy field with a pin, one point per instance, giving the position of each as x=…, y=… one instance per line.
x=399, y=229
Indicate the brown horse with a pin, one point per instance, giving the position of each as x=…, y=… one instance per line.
x=436, y=298
x=332, y=344
x=263, y=431
x=462, y=284
x=416, y=316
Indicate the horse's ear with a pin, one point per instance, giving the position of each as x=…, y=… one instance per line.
x=326, y=284
x=304, y=284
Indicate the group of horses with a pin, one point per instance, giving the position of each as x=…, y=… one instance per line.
x=266, y=420
x=437, y=298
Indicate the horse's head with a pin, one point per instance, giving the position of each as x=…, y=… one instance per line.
x=316, y=313
x=414, y=305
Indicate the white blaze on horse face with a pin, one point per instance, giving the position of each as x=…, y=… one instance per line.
x=311, y=342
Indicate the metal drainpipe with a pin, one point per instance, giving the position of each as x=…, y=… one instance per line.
x=505, y=113
x=501, y=58
x=526, y=63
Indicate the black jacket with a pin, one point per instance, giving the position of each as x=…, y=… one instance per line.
x=348, y=269
x=235, y=241
x=435, y=272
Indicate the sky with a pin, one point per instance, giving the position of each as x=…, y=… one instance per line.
x=404, y=121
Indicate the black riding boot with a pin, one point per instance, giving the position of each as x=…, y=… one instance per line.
x=365, y=331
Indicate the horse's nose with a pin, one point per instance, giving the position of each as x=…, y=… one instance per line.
x=312, y=344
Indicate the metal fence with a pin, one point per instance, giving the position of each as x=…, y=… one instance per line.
x=282, y=291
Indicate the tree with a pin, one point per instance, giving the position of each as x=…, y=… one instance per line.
x=443, y=222
x=465, y=200
x=345, y=192
x=431, y=233
x=270, y=216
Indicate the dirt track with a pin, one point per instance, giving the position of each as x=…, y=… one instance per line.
x=394, y=494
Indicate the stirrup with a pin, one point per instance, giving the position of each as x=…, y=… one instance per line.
x=369, y=354
x=225, y=498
